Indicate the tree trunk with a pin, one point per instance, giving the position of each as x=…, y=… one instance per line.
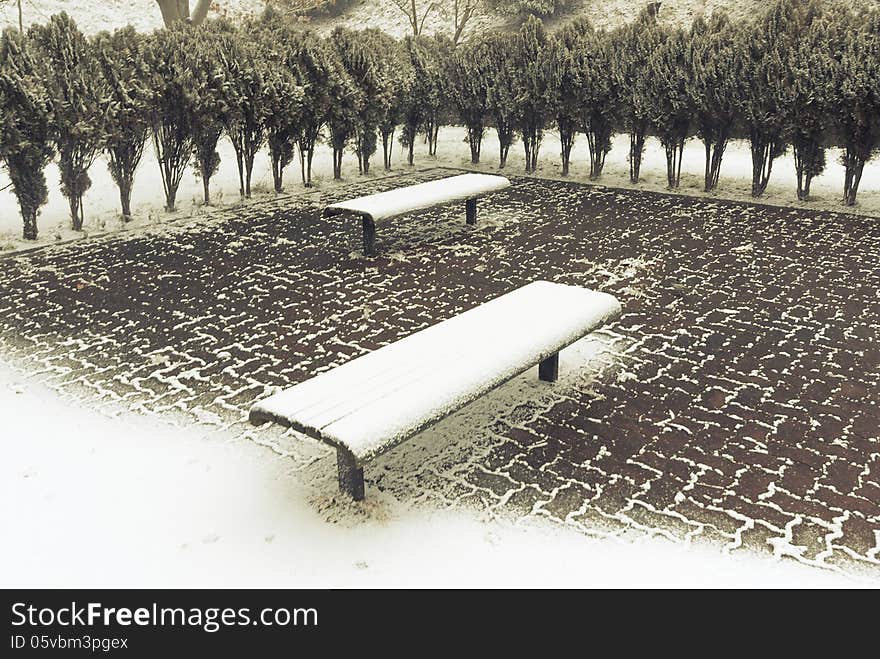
x=30, y=224
x=125, y=202
x=76, y=214
x=674, y=151
x=277, y=173
x=387, y=145
x=566, y=140
x=171, y=200
x=239, y=160
x=597, y=155
x=337, y=163
x=475, y=139
x=636, y=148
x=715, y=145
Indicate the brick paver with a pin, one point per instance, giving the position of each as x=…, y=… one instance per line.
x=735, y=402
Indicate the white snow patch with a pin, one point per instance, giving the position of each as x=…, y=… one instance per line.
x=96, y=501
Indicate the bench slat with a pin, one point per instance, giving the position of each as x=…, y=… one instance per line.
x=380, y=399
x=383, y=205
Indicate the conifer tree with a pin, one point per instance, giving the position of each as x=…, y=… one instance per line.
x=121, y=61
x=79, y=107
x=632, y=47
x=532, y=77
x=170, y=115
x=813, y=60
x=669, y=99
x=714, y=91
x=857, y=97
x=26, y=125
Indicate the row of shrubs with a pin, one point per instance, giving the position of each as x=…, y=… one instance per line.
x=803, y=75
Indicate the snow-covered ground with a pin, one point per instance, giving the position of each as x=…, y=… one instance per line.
x=383, y=14
x=87, y=499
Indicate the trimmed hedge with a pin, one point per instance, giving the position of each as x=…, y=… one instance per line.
x=805, y=75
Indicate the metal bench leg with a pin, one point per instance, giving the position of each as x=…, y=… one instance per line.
x=548, y=370
x=351, y=477
x=471, y=210
x=369, y=236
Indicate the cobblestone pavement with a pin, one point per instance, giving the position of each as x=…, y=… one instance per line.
x=734, y=403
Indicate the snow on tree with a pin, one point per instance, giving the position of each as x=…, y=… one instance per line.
x=394, y=106
x=764, y=51
x=563, y=60
x=715, y=87
x=209, y=94
x=632, y=46
x=364, y=56
x=245, y=69
x=592, y=88
x=501, y=94
x=79, y=105
x=813, y=61
x=857, y=97
x=532, y=77
x=120, y=57
x=284, y=99
x=469, y=80
x=170, y=114
x=669, y=101
x=26, y=125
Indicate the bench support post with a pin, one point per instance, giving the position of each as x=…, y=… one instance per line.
x=548, y=370
x=369, y=236
x=470, y=207
x=351, y=477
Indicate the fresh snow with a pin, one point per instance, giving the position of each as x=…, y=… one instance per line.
x=383, y=398
x=91, y=500
x=383, y=205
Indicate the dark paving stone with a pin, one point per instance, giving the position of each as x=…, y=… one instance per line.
x=737, y=400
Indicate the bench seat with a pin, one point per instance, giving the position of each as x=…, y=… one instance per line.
x=374, y=402
x=383, y=205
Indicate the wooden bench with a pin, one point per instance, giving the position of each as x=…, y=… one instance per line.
x=379, y=400
x=383, y=205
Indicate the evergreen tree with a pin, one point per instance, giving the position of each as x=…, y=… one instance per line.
x=715, y=87
x=440, y=51
x=79, y=107
x=565, y=58
x=424, y=94
x=26, y=125
x=285, y=110
x=169, y=114
x=857, y=98
x=121, y=60
x=632, y=47
x=813, y=61
x=501, y=93
x=245, y=68
x=592, y=88
x=533, y=81
x=671, y=107
x=469, y=77
x=766, y=48
x=323, y=81
x=363, y=56
x=209, y=96
x=393, y=107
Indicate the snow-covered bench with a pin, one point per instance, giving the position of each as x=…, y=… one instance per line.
x=383, y=205
x=374, y=402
